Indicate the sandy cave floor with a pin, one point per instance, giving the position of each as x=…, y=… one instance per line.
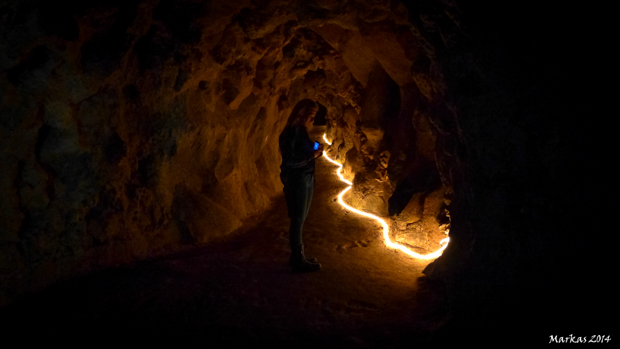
x=241, y=290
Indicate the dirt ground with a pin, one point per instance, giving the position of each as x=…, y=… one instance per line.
x=241, y=291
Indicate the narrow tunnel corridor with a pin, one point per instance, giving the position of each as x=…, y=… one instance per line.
x=240, y=291
x=140, y=188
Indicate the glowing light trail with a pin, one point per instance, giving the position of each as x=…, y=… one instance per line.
x=386, y=229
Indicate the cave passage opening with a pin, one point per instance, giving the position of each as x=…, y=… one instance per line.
x=380, y=131
x=152, y=128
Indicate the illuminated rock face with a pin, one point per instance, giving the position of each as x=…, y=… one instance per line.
x=134, y=128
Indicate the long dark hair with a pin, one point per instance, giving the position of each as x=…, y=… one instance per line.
x=301, y=112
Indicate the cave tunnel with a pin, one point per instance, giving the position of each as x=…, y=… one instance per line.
x=141, y=195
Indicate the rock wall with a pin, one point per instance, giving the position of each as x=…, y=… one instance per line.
x=132, y=129
x=516, y=149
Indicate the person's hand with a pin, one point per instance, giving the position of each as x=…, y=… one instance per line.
x=319, y=151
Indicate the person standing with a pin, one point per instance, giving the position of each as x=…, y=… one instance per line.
x=297, y=175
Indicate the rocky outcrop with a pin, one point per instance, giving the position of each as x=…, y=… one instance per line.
x=136, y=128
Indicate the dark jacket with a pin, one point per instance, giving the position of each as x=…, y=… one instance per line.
x=297, y=151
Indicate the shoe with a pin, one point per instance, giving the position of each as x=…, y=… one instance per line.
x=300, y=264
x=296, y=253
x=291, y=261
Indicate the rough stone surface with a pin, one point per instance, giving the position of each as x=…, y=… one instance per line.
x=134, y=129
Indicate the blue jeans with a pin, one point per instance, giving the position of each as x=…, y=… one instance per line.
x=298, y=190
